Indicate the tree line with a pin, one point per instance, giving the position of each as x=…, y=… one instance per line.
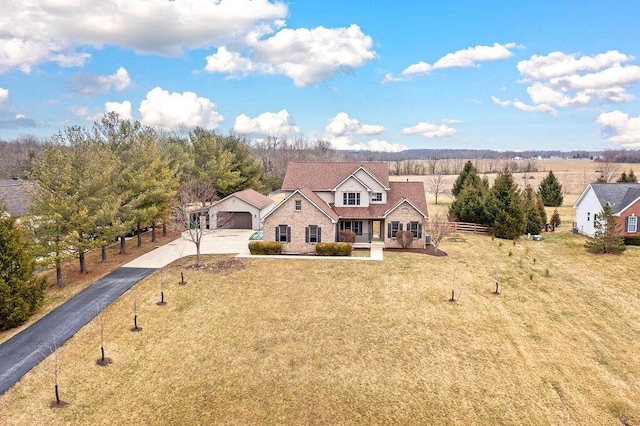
x=509, y=210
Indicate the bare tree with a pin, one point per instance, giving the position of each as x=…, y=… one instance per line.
x=438, y=227
x=192, y=211
x=432, y=165
x=54, y=369
x=436, y=184
x=135, y=313
x=100, y=322
x=608, y=172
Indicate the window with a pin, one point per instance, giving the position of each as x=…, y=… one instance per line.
x=351, y=198
x=393, y=228
x=352, y=225
x=588, y=216
x=313, y=234
x=283, y=233
x=632, y=224
x=298, y=205
x=376, y=197
x=415, y=228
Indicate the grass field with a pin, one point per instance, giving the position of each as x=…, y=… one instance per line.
x=271, y=341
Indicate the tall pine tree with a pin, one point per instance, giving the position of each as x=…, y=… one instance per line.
x=20, y=290
x=551, y=191
x=504, y=207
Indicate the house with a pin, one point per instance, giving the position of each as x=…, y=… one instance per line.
x=240, y=210
x=624, y=199
x=322, y=199
x=14, y=196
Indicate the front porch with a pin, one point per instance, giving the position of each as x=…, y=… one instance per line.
x=367, y=231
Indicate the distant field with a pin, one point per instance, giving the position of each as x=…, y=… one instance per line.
x=271, y=341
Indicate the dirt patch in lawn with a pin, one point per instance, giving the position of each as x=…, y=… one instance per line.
x=430, y=250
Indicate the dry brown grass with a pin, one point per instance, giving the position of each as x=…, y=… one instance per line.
x=75, y=282
x=272, y=341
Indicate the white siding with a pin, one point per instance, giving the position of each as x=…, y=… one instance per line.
x=585, y=211
x=352, y=185
x=233, y=204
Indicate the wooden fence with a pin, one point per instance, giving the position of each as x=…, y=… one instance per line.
x=470, y=228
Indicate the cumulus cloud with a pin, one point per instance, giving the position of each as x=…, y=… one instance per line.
x=524, y=107
x=266, y=124
x=568, y=80
x=619, y=128
x=94, y=83
x=432, y=130
x=60, y=32
x=4, y=95
x=343, y=130
x=173, y=110
x=122, y=108
x=304, y=55
x=469, y=57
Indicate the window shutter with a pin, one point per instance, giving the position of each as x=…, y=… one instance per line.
x=277, y=233
x=288, y=234
x=319, y=234
x=306, y=234
x=389, y=230
x=419, y=230
x=399, y=227
x=626, y=224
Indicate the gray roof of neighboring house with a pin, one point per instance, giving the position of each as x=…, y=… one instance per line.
x=618, y=195
x=250, y=196
x=14, y=196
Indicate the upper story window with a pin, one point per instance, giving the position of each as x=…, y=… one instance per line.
x=632, y=224
x=351, y=199
x=376, y=197
x=298, y=205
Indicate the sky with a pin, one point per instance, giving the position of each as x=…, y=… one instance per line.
x=376, y=75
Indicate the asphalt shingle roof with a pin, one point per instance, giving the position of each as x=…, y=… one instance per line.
x=618, y=195
x=15, y=197
x=326, y=176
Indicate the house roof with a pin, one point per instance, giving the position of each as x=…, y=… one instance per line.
x=14, y=196
x=252, y=197
x=314, y=199
x=326, y=176
x=618, y=195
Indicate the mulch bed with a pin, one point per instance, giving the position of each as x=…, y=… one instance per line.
x=430, y=250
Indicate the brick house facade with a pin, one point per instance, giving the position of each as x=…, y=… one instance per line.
x=322, y=199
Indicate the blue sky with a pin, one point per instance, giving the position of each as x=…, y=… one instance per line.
x=380, y=75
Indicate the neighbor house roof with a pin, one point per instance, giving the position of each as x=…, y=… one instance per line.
x=326, y=176
x=618, y=195
x=14, y=195
x=252, y=197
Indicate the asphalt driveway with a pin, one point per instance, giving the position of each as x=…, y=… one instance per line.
x=26, y=349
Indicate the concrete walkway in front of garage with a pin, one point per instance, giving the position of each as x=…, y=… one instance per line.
x=220, y=241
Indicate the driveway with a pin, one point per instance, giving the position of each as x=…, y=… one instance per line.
x=26, y=349
x=223, y=241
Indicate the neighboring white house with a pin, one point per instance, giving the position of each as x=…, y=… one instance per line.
x=240, y=210
x=624, y=199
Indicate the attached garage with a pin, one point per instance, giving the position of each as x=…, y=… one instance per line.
x=234, y=220
x=240, y=210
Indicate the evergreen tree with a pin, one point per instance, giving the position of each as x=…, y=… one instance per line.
x=605, y=239
x=551, y=191
x=20, y=290
x=469, y=205
x=555, y=218
x=534, y=216
x=504, y=207
x=630, y=178
x=468, y=176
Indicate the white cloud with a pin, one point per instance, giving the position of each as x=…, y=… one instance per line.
x=48, y=31
x=173, y=110
x=469, y=57
x=431, y=130
x=93, y=83
x=620, y=129
x=390, y=78
x=563, y=80
x=4, y=95
x=266, y=124
x=122, y=108
x=342, y=131
x=304, y=55
x=524, y=107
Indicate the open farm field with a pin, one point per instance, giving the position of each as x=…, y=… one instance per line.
x=294, y=341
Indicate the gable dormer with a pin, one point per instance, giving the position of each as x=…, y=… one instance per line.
x=360, y=189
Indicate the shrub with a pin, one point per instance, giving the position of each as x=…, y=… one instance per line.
x=632, y=241
x=347, y=236
x=265, y=247
x=334, y=249
x=404, y=238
